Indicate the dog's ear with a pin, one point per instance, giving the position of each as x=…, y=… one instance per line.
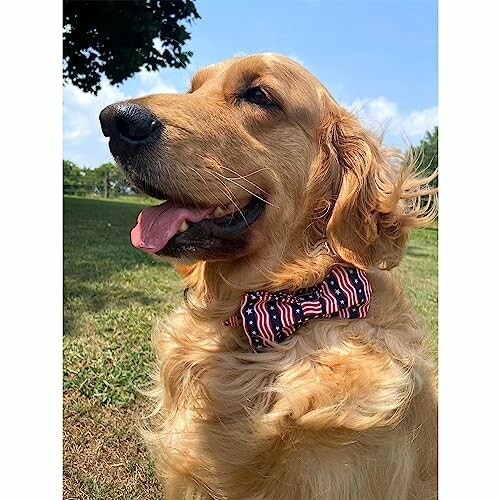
x=365, y=199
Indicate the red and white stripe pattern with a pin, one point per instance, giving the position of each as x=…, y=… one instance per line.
x=285, y=310
x=269, y=318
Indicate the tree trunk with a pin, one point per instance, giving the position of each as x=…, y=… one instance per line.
x=106, y=184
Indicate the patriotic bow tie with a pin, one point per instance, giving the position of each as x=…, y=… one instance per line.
x=271, y=317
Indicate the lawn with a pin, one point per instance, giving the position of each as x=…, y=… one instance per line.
x=112, y=297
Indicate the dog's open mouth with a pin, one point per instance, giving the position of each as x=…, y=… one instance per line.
x=177, y=231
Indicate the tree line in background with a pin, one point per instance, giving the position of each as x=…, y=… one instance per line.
x=426, y=154
x=107, y=180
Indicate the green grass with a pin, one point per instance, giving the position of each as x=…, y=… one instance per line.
x=113, y=295
x=419, y=271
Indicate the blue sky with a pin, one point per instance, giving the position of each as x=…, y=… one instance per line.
x=377, y=57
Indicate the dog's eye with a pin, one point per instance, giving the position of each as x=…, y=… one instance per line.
x=257, y=95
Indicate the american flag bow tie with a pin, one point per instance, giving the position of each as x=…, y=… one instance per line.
x=271, y=317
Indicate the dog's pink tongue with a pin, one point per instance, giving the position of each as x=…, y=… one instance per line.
x=157, y=225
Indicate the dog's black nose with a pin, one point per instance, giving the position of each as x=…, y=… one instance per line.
x=128, y=125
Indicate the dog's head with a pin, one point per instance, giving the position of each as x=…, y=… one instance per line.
x=257, y=159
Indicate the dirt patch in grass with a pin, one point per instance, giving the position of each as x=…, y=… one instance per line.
x=104, y=456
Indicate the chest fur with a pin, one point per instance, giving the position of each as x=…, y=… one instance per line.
x=229, y=412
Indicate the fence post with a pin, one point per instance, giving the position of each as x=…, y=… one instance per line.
x=106, y=183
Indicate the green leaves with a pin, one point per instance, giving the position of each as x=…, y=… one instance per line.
x=115, y=39
x=83, y=180
x=427, y=154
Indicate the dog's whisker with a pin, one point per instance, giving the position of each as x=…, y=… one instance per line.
x=228, y=193
x=245, y=189
x=206, y=185
x=240, y=176
x=246, y=175
x=234, y=201
x=245, y=179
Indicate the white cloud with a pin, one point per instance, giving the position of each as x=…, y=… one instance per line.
x=380, y=113
x=417, y=122
x=81, y=110
x=152, y=83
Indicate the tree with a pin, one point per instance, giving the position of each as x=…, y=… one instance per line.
x=84, y=180
x=117, y=38
x=117, y=184
x=427, y=154
x=71, y=173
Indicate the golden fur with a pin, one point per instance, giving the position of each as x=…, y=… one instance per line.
x=344, y=409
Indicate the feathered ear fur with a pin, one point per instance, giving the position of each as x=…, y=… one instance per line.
x=366, y=198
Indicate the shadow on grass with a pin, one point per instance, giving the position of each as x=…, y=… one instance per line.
x=423, y=243
x=415, y=251
x=101, y=268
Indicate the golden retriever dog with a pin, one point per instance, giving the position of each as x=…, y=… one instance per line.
x=268, y=187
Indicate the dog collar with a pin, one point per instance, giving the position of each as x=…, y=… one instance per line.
x=271, y=317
